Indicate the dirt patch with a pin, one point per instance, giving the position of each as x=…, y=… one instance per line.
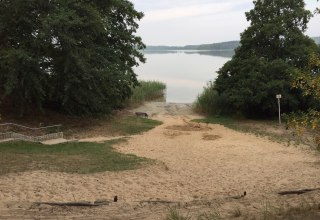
x=189, y=127
x=209, y=137
x=174, y=134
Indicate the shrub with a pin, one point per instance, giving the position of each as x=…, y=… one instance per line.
x=210, y=102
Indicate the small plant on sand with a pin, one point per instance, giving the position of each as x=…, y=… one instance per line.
x=237, y=213
x=268, y=211
x=174, y=214
x=213, y=215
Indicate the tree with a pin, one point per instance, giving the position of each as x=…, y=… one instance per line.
x=21, y=75
x=74, y=56
x=271, y=48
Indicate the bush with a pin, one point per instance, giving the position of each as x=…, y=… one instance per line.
x=210, y=102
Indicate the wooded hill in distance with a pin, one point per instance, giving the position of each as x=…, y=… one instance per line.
x=228, y=45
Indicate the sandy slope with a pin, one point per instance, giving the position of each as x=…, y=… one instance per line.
x=197, y=165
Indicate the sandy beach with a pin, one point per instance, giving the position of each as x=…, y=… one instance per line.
x=196, y=166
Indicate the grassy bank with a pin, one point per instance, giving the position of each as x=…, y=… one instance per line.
x=133, y=125
x=269, y=129
x=264, y=128
x=80, y=158
x=120, y=125
x=147, y=91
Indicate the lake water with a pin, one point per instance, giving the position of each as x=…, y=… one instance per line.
x=185, y=73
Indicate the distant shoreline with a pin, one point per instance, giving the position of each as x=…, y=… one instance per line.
x=185, y=50
x=222, y=46
x=218, y=53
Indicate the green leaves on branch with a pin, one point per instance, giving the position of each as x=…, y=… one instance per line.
x=75, y=56
x=305, y=122
x=308, y=79
x=272, y=48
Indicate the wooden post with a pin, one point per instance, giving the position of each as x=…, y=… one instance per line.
x=279, y=105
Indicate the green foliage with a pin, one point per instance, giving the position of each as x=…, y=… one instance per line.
x=308, y=80
x=70, y=157
x=73, y=56
x=147, y=91
x=20, y=53
x=210, y=102
x=271, y=49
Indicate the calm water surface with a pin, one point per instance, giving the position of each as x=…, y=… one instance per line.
x=185, y=73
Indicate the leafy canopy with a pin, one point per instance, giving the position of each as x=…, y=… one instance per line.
x=271, y=48
x=73, y=56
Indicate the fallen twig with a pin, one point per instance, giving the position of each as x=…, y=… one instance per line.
x=297, y=192
x=157, y=201
x=87, y=204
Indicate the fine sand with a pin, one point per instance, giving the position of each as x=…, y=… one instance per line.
x=197, y=167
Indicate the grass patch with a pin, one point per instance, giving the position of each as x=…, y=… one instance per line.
x=75, y=157
x=133, y=125
x=147, y=91
x=119, y=125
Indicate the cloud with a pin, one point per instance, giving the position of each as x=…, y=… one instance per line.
x=181, y=22
x=189, y=9
x=182, y=12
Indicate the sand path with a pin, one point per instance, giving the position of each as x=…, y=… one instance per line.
x=195, y=162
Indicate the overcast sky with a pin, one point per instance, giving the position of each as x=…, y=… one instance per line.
x=183, y=22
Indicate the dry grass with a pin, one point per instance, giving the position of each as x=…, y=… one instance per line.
x=120, y=123
x=306, y=210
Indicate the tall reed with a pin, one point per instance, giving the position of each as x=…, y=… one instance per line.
x=147, y=91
